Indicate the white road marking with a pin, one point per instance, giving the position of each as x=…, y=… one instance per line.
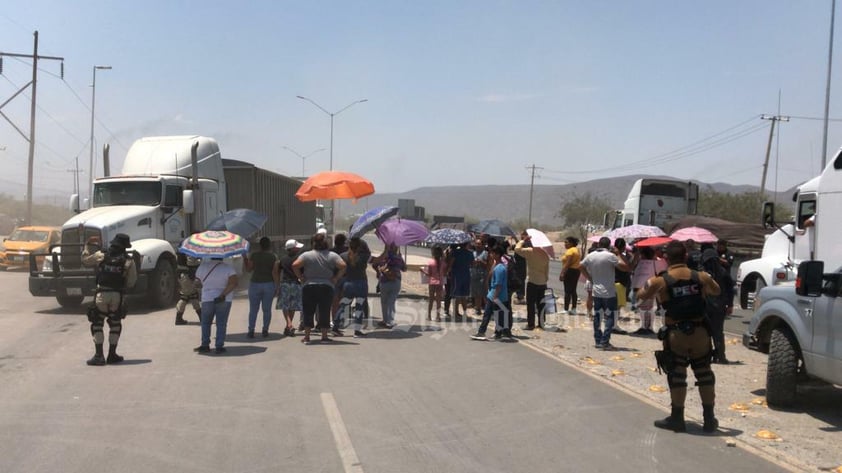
x=350, y=462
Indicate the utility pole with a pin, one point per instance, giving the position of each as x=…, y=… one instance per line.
x=531, y=188
x=827, y=88
x=75, y=171
x=774, y=119
x=31, y=139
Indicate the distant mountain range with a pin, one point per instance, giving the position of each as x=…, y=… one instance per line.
x=510, y=203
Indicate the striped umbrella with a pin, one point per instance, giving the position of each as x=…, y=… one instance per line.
x=214, y=244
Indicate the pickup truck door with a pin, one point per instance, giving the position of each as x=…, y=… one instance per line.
x=826, y=348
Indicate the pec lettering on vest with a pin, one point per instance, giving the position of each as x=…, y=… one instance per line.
x=683, y=291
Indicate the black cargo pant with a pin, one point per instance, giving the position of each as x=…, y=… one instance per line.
x=690, y=349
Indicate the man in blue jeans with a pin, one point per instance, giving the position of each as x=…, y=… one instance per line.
x=497, y=300
x=598, y=267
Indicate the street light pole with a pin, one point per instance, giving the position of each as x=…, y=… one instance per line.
x=91, y=164
x=303, y=157
x=332, y=114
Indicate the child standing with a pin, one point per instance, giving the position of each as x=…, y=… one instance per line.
x=434, y=271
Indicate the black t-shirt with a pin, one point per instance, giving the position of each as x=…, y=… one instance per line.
x=287, y=274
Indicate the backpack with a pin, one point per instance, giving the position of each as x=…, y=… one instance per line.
x=513, y=283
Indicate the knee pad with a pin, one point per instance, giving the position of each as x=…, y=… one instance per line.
x=705, y=378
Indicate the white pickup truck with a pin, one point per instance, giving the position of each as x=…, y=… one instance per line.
x=800, y=328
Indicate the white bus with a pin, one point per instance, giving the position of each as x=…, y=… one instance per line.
x=656, y=202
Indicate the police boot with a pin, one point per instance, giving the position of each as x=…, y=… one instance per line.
x=113, y=357
x=674, y=422
x=179, y=318
x=98, y=359
x=711, y=424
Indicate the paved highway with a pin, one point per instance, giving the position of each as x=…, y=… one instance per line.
x=409, y=400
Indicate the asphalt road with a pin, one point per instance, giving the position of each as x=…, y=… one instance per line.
x=408, y=400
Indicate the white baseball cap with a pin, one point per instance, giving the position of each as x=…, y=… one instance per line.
x=322, y=231
x=290, y=244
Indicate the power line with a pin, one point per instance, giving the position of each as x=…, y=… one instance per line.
x=691, y=149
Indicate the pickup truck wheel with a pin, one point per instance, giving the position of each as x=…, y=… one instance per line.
x=782, y=370
x=162, y=284
x=69, y=302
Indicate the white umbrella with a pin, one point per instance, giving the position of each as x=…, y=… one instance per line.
x=540, y=240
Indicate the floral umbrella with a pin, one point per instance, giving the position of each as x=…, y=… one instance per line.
x=330, y=185
x=371, y=220
x=214, y=244
x=401, y=232
x=635, y=232
x=448, y=236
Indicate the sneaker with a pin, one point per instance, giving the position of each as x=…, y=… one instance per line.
x=113, y=358
x=359, y=334
x=220, y=350
x=337, y=333
x=180, y=322
x=498, y=336
x=96, y=360
x=509, y=337
x=607, y=347
x=250, y=334
x=202, y=349
x=265, y=332
x=479, y=336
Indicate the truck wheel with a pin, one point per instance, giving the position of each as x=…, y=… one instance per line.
x=70, y=302
x=162, y=284
x=782, y=370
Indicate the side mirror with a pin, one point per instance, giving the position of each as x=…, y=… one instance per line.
x=74, y=203
x=809, y=280
x=187, y=201
x=767, y=218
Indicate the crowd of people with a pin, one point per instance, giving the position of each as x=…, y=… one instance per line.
x=689, y=287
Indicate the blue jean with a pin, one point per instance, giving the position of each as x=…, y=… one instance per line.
x=355, y=299
x=388, y=298
x=260, y=293
x=501, y=314
x=604, y=310
x=220, y=311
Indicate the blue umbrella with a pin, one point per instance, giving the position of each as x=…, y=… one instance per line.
x=493, y=227
x=448, y=236
x=243, y=222
x=371, y=220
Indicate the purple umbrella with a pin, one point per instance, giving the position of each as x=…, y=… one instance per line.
x=401, y=232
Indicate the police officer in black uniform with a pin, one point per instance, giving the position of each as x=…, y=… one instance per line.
x=686, y=335
x=115, y=272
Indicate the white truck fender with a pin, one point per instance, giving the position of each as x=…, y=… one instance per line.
x=151, y=250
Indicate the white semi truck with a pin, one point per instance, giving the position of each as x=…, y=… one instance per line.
x=655, y=202
x=169, y=188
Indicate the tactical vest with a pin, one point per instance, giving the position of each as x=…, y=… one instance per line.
x=112, y=272
x=686, y=300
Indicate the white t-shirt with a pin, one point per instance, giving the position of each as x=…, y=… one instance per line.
x=214, y=280
x=600, y=265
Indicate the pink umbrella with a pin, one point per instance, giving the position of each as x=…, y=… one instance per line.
x=697, y=234
x=540, y=240
x=654, y=241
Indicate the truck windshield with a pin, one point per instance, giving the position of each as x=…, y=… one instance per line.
x=29, y=235
x=127, y=193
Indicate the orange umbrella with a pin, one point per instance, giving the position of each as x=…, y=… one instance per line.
x=330, y=185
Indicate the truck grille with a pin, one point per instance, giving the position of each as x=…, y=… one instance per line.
x=73, y=242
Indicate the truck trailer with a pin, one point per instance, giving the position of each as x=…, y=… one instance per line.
x=169, y=188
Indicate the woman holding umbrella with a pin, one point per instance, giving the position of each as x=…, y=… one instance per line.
x=218, y=283
x=389, y=266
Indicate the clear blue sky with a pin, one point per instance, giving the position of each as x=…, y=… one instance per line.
x=459, y=92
